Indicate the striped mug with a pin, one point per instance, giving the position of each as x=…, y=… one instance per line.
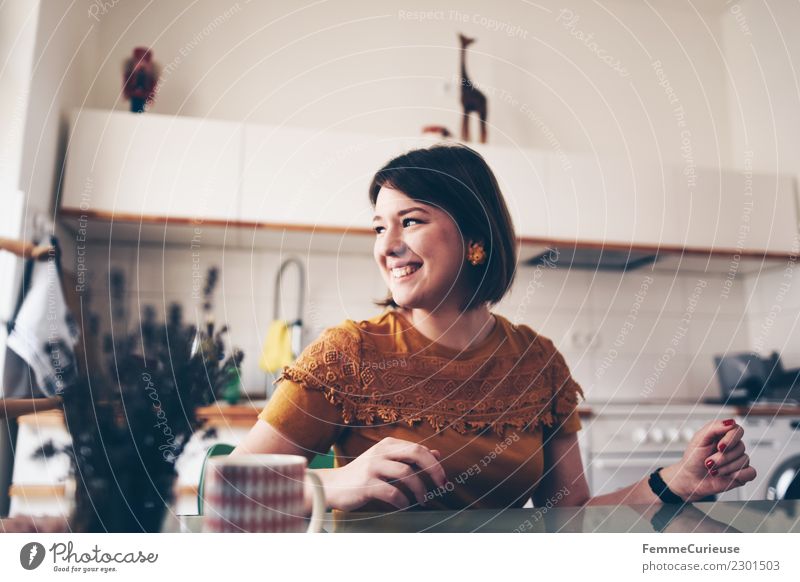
x=260, y=493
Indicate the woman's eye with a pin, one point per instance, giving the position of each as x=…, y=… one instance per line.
x=406, y=222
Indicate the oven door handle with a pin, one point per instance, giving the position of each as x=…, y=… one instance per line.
x=764, y=443
x=632, y=464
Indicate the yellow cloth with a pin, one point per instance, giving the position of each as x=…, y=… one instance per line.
x=277, y=350
x=489, y=409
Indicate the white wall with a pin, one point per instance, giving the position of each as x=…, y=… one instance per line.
x=763, y=55
x=774, y=313
x=643, y=335
x=61, y=77
x=388, y=68
x=17, y=39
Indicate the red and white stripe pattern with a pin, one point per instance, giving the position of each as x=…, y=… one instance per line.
x=250, y=497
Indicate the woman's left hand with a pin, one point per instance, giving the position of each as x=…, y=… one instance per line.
x=714, y=461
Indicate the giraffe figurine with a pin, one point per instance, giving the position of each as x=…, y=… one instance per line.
x=472, y=100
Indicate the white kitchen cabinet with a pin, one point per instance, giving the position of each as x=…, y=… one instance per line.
x=312, y=177
x=153, y=165
x=522, y=176
x=611, y=200
x=729, y=210
x=165, y=167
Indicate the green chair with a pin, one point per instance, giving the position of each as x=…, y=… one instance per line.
x=216, y=450
x=325, y=461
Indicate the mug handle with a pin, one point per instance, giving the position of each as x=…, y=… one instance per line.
x=318, y=507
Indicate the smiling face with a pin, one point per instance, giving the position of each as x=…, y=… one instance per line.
x=420, y=252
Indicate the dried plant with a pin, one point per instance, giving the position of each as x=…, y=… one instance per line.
x=125, y=444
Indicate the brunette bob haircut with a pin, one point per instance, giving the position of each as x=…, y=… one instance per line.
x=456, y=179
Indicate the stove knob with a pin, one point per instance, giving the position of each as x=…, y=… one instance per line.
x=673, y=435
x=657, y=435
x=687, y=434
x=639, y=435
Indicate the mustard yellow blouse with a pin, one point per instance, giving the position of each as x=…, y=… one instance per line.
x=488, y=409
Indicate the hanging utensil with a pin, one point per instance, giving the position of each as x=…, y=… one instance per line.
x=284, y=340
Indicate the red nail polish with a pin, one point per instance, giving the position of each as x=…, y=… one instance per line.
x=722, y=447
x=714, y=471
x=709, y=463
x=727, y=422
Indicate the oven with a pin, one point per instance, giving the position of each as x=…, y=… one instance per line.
x=628, y=442
x=773, y=444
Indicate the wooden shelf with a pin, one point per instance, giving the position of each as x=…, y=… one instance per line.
x=768, y=410
x=238, y=415
x=37, y=491
x=44, y=418
x=109, y=228
x=103, y=227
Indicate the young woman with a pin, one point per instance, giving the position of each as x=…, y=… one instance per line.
x=438, y=402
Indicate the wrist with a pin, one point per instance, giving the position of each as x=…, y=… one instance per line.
x=672, y=478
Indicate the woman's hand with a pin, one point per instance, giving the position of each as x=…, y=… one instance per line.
x=376, y=473
x=714, y=462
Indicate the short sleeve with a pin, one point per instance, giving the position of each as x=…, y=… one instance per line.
x=308, y=406
x=303, y=416
x=566, y=396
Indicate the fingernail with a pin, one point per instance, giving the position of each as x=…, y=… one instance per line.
x=727, y=422
x=722, y=447
x=709, y=463
x=714, y=471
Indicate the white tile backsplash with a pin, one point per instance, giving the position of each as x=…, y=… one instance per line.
x=644, y=291
x=616, y=330
x=719, y=334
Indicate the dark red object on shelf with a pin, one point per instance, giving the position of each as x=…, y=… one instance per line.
x=140, y=75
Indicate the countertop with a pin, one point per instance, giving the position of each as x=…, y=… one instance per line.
x=245, y=413
x=708, y=517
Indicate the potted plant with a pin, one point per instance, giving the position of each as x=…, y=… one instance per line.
x=130, y=422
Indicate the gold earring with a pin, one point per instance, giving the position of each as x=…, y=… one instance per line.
x=476, y=254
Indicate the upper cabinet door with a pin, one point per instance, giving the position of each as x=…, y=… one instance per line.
x=775, y=223
x=146, y=165
x=727, y=210
x=153, y=165
x=310, y=177
x=522, y=177
x=610, y=201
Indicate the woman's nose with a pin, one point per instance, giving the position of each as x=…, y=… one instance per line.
x=392, y=243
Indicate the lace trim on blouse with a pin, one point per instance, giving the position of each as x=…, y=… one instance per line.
x=499, y=392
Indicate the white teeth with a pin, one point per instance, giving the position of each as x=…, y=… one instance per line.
x=404, y=271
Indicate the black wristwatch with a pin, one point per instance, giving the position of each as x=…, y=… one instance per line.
x=664, y=493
